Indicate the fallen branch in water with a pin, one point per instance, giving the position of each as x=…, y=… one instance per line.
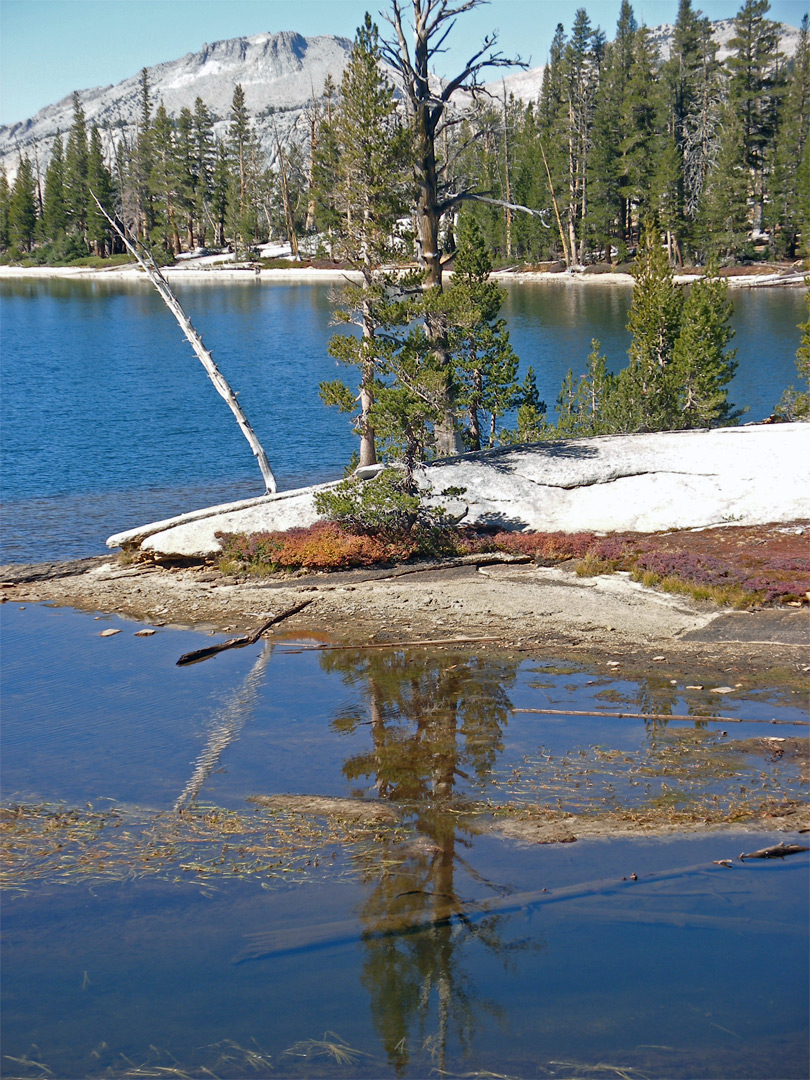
x=778, y=851
x=239, y=642
x=450, y=909
x=657, y=716
x=397, y=644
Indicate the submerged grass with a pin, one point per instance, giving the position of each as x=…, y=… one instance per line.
x=677, y=777
x=55, y=844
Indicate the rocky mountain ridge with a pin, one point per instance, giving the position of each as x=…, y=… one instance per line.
x=279, y=72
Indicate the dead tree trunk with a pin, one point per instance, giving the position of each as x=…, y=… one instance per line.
x=221, y=384
x=285, y=195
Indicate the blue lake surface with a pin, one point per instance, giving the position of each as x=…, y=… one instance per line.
x=689, y=969
x=144, y=949
x=109, y=421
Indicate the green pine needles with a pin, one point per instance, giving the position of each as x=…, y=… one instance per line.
x=680, y=366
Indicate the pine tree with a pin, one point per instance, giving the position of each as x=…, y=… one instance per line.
x=551, y=143
x=654, y=323
x=723, y=218
x=702, y=367
x=580, y=74
x=532, y=424
x=204, y=156
x=787, y=213
x=5, y=204
x=688, y=77
x=163, y=183
x=754, y=90
x=220, y=189
x=142, y=163
x=532, y=238
x=590, y=405
x=624, y=140
x=55, y=216
x=609, y=182
x=185, y=178
x=700, y=129
x=325, y=161
x=369, y=185
x=485, y=364
x=100, y=185
x=679, y=366
x=429, y=108
x=76, y=159
x=22, y=212
x=242, y=152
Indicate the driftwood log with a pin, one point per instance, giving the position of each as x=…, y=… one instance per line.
x=196, y=655
x=778, y=851
x=658, y=716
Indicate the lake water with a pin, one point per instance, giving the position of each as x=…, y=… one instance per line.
x=232, y=940
x=156, y=922
x=109, y=421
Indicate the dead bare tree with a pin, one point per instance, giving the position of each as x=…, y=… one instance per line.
x=289, y=215
x=150, y=268
x=430, y=105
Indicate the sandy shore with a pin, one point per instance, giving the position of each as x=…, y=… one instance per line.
x=518, y=607
x=241, y=274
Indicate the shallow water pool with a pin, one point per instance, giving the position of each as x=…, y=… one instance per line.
x=158, y=922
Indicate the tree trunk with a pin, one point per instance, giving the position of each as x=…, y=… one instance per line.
x=285, y=195
x=313, y=146
x=508, y=177
x=215, y=375
x=368, y=447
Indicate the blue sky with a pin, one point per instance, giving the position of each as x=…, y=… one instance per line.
x=49, y=48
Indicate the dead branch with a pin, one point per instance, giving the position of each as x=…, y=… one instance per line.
x=398, y=644
x=239, y=642
x=657, y=716
x=279, y=942
x=778, y=851
x=471, y=196
x=148, y=265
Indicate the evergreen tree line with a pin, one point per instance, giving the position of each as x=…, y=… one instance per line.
x=679, y=367
x=717, y=153
x=174, y=185
x=434, y=368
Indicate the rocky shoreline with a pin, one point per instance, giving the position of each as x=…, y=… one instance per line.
x=610, y=626
x=517, y=606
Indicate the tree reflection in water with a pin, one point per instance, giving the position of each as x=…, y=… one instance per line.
x=437, y=723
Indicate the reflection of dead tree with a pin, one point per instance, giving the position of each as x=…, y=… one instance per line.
x=226, y=727
x=148, y=265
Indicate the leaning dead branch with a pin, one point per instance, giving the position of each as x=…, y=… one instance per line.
x=443, y=912
x=152, y=271
x=196, y=655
